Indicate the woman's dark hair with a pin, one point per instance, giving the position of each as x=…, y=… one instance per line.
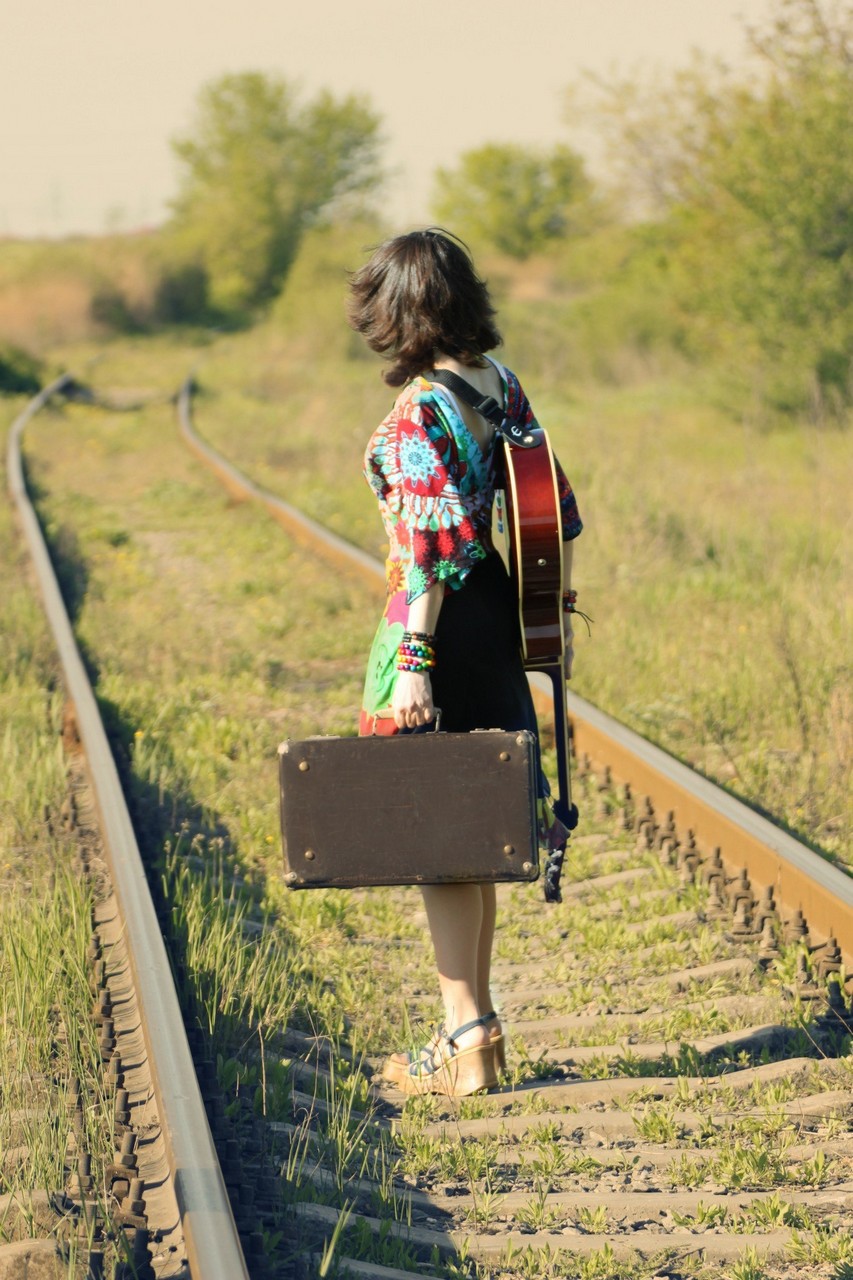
x=419, y=295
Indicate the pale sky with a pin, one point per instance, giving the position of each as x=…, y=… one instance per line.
x=91, y=91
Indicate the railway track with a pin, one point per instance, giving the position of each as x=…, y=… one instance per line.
x=164, y=1191
x=639, y=1134
x=680, y=1086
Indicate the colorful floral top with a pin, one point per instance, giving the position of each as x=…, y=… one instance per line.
x=435, y=487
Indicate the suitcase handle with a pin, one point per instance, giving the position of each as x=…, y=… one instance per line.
x=386, y=715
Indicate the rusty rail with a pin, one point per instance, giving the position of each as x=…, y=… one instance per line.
x=210, y=1235
x=801, y=879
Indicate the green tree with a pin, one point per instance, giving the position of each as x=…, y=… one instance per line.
x=256, y=169
x=752, y=185
x=513, y=199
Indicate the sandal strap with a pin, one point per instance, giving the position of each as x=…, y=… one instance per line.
x=428, y=1065
x=469, y=1026
x=424, y=1063
x=426, y=1051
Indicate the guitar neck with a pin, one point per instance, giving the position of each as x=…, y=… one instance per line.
x=565, y=809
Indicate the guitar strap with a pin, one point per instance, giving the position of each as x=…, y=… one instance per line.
x=515, y=434
x=512, y=430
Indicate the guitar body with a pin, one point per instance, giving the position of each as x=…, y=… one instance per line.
x=535, y=553
x=532, y=502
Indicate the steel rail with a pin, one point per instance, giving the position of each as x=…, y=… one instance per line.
x=210, y=1234
x=801, y=879
x=310, y=532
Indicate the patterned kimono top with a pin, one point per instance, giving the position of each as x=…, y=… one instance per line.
x=435, y=487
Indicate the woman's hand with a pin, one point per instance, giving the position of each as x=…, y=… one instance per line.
x=412, y=702
x=569, y=652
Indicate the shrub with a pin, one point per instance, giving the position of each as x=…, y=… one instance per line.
x=20, y=373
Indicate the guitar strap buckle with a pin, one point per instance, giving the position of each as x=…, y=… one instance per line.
x=517, y=435
x=513, y=430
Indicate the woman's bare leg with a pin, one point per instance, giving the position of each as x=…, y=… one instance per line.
x=484, y=948
x=455, y=915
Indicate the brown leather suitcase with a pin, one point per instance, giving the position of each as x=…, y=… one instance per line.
x=431, y=808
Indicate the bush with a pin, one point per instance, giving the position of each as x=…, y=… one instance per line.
x=20, y=373
x=514, y=200
x=311, y=305
x=751, y=182
x=111, y=309
x=181, y=296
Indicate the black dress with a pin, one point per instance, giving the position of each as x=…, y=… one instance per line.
x=479, y=680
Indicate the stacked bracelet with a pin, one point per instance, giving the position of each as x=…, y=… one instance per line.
x=416, y=652
x=570, y=598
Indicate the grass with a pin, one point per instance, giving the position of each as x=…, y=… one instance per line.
x=201, y=668
x=184, y=607
x=715, y=559
x=47, y=1036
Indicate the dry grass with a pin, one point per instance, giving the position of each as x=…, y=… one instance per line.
x=716, y=558
x=50, y=290
x=186, y=607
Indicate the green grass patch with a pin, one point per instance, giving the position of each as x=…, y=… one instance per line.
x=48, y=1039
x=210, y=636
x=714, y=558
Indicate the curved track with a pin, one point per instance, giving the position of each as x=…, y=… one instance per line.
x=698, y=814
x=210, y=1238
x=635, y=1132
x=676, y=1089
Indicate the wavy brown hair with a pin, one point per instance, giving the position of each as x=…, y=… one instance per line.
x=419, y=295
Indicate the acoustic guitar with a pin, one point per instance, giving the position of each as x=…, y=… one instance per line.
x=535, y=553
x=535, y=540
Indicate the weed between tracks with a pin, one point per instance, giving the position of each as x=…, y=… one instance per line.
x=47, y=1035
x=705, y=536
x=185, y=611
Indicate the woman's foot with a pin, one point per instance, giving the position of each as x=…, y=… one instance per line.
x=398, y=1065
x=472, y=1034
x=496, y=1035
x=461, y=1063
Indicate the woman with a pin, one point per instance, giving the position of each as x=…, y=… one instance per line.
x=449, y=636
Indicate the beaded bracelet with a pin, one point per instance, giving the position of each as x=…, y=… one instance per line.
x=416, y=652
x=570, y=598
x=424, y=637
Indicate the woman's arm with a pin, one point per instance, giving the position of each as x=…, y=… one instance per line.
x=412, y=702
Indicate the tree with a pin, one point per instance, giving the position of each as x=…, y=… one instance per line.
x=752, y=185
x=512, y=199
x=256, y=169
